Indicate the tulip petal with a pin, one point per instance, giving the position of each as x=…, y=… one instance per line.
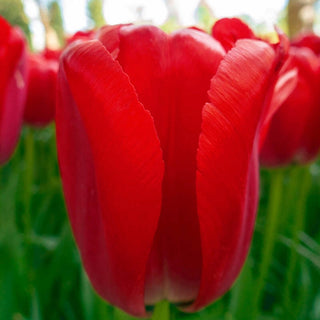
x=227, y=169
x=109, y=36
x=111, y=166
x=172, y=74
x=285, y=85
x=194, y=59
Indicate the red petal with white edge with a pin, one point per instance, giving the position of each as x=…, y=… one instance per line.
x=229, y=30
x=227, y=170
x=111, y=166
x=12, y=87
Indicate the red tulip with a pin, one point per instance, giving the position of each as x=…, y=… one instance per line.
x=42, y=77
x=160, y=175
x=41, y=92
x=294, y=131
x=12, y=87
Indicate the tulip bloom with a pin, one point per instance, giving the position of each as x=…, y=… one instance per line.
x=41, y=92
x=157, y=139
x=293, y=134
x=12, y=87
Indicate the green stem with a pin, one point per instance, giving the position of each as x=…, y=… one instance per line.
x=290, y=196
x=161, y=311
x=51, y=160
x=296, y=228
x=28, y=180
x=27, y=192
x=1, y=177
x=269, y=238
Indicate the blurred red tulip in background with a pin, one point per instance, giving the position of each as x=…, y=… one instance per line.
x=41, y=92
x=309, y=40
x=42, y=78
x=157, y=139
x=12, y=87
x=293, y=134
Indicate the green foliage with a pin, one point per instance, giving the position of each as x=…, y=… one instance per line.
x=95, y=13
x=13, y=11
x=56, y=22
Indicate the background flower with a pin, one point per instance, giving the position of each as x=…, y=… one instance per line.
x=12, y=87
